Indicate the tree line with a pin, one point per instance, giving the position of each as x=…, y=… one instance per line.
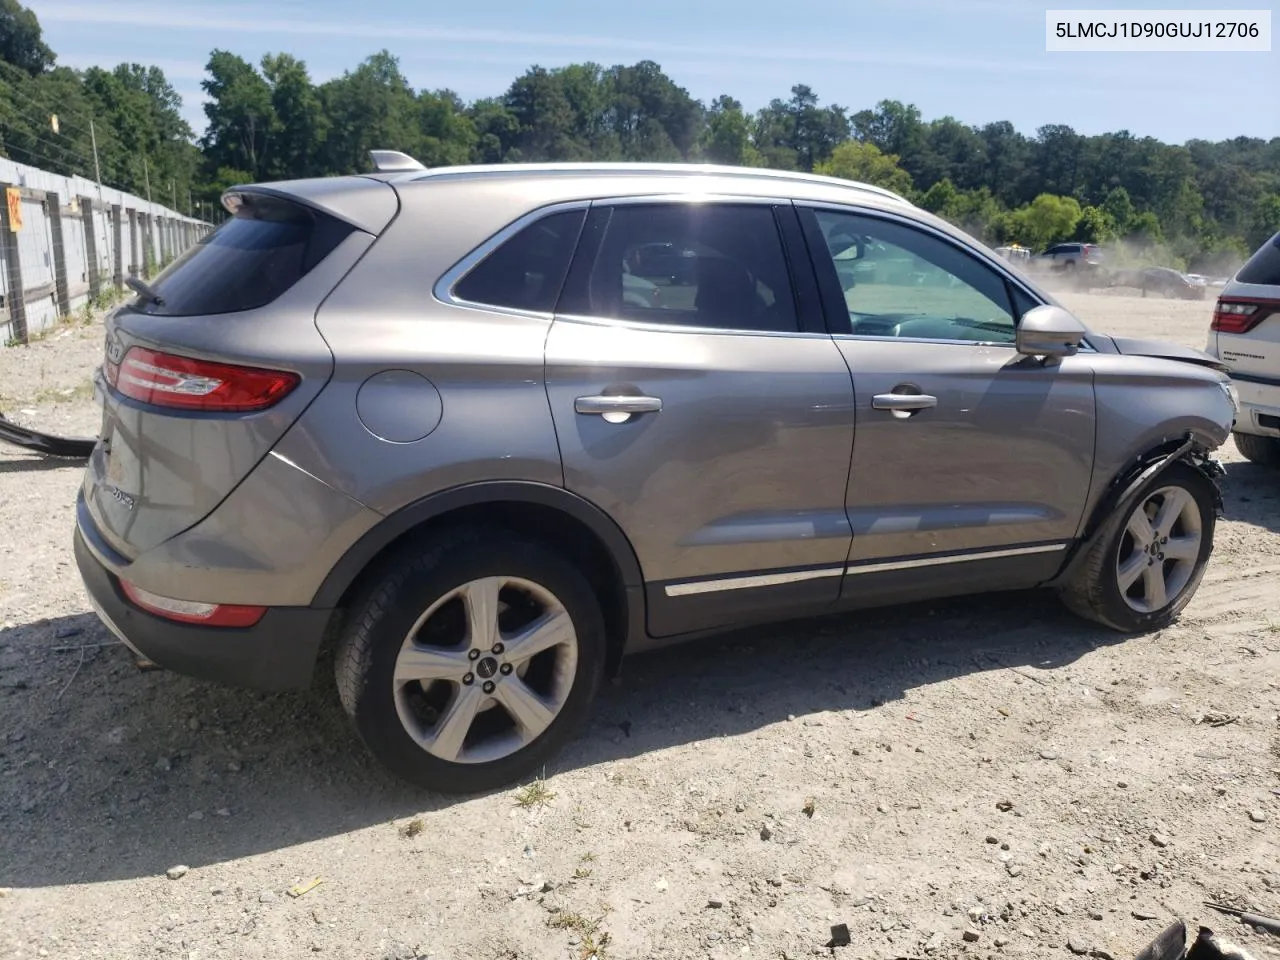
x=1202, y=205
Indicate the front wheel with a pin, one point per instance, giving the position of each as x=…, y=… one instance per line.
x=1147, y=563
x=471, y=661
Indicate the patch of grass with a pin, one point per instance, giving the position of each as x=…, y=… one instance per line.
x=594, y=940
x=536, y=794
x=582, y=873
x=81, y=391
x=413, y=827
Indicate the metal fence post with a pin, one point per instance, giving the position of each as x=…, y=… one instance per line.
x=117, y=254
x=90, y=247
x=13, y=299
x=54, y=204
x=133, y=242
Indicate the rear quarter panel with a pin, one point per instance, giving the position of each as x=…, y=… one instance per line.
x=486, y=368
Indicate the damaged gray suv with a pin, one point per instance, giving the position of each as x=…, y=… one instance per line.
x=485, y=430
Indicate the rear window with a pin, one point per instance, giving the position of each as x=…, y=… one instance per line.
x=268, y=246
x=1263, y=266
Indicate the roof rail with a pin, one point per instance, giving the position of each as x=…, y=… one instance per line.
x=642, y=169
x=393, y=161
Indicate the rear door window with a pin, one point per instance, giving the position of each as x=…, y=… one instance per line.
x=527, y=271
x=263, y=250
x=1263, y=266
x=707, y=265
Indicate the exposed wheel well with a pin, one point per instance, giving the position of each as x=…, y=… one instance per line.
x=556, y=528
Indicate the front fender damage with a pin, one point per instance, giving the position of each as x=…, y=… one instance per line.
x=1126, y=488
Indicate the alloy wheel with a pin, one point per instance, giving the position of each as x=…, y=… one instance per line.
x=485, y=670
x=1160, y=549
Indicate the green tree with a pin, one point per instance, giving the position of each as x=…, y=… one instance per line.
x=864, y=162
x=242, y=119
x=1119, y=208
x=21, y=43
x=942, y=198
x=728, y=135
x=1045, y=220
x=301, y=125
x=1095, y=226
x=1266, y=221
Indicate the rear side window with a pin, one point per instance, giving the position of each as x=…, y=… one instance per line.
x=527, y=271
x=709, y=265
x=268, y=246
x=1263, y=266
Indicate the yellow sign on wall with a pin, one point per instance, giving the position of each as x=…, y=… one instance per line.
x=14, y=198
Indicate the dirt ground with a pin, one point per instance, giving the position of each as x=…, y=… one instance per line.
x=989, y=768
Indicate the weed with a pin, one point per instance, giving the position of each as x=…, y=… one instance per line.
x=413, y=828
x=594, y=940
x=536, y=794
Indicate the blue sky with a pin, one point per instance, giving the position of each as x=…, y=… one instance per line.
x=977, y=60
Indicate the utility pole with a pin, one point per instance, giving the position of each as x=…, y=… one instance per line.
x=146, y=175
x=97, y=169
x=173, y=193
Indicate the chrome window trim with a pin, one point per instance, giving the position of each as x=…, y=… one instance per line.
x=997, y=265
x=443, y=289
x=644, y=325
x=697, y=587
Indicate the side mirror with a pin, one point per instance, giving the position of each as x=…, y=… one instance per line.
x=1049, y=331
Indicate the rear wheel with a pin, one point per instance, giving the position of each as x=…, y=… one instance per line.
x=472, y=661
x=1263, y=450
x=1148, y=562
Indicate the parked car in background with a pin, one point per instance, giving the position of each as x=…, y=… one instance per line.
x=1172, y=284
x=1070, y=257
x=1245, y=334
x=424, y=416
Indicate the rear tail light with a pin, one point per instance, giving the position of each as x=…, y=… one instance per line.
x=1236, y=316
x=190, y=611
x=186, y=383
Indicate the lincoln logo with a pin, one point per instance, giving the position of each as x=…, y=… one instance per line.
x=487, y=667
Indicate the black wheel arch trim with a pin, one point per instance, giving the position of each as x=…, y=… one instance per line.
x=374, y=541
x=1126, y=487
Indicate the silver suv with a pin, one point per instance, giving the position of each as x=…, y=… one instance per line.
x=425, y=417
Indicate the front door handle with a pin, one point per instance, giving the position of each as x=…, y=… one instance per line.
x=903, y=402
x=617, y=409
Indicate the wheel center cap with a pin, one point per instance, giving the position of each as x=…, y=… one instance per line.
x=487, y=667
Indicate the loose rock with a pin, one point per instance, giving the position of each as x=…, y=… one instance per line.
x=1077, y=946
x=971, y=935
x=765, y=832
x=178, y=872
x=1257, y=816
x=1159, y=840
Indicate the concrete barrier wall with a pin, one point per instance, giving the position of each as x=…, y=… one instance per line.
x=77, y=242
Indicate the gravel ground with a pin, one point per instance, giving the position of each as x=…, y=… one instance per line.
x=984, y=777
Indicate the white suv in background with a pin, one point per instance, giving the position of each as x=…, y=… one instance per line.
x=1245, y=335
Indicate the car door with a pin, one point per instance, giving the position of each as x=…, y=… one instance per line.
x=711, y=419
x=972, y=463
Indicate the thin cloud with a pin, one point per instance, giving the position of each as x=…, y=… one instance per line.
x=251, y=21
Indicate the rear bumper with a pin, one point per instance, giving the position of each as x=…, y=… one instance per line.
x=1259, y=406
x=277, y=653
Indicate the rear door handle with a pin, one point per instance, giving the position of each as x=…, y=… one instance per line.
x=617, y=409
x=903, y=401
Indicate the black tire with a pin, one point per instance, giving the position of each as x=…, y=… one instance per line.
x=1094, y=591
x=1263, y=450
x=385, y=614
